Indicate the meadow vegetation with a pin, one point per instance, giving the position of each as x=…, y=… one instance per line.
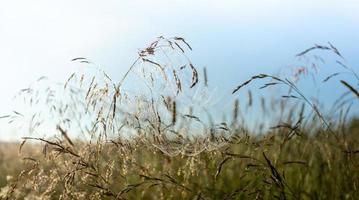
x=150, y=141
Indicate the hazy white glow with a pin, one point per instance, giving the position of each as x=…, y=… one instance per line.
x=40, y=37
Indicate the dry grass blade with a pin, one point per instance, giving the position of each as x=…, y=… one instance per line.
x=351, y=151
x=85, y=61
x=290, y=96
x=268, y=84
x=128, y=188
x=107, y=76
x=79, y=58
x=114, y=106
x=305, y=51
x=178, y=82
x=194, y=75
x=250, y=98
x=351, y=88
x=152, y=62
x=176, y=183
x=59, y=147
x=30, y=159
x=179, y=47
x=106, y=191
x=64, y=134
x=17, y=113
x=90, y=87
x=205, y=76
x=41, y=78
x=235, y=110
x=260, y=76
x=330, y=76
x=316, y=46
x=342, y=64
x=276, y=177
x=274, y=171
x=162, y=70
x=335, y=50
x=193, y=117
x=184, y=41
x=220, y=166
x=68, y=80
x=174, y=113
x=295, y=162
x=21, y=145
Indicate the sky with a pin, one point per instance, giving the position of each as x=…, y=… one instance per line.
x=234, y=39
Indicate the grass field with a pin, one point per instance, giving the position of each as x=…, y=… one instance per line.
x=306, y=153
x=305, y=167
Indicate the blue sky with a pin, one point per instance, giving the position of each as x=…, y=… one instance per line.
x=233, y=39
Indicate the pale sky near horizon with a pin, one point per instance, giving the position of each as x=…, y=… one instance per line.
x=234, y=39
